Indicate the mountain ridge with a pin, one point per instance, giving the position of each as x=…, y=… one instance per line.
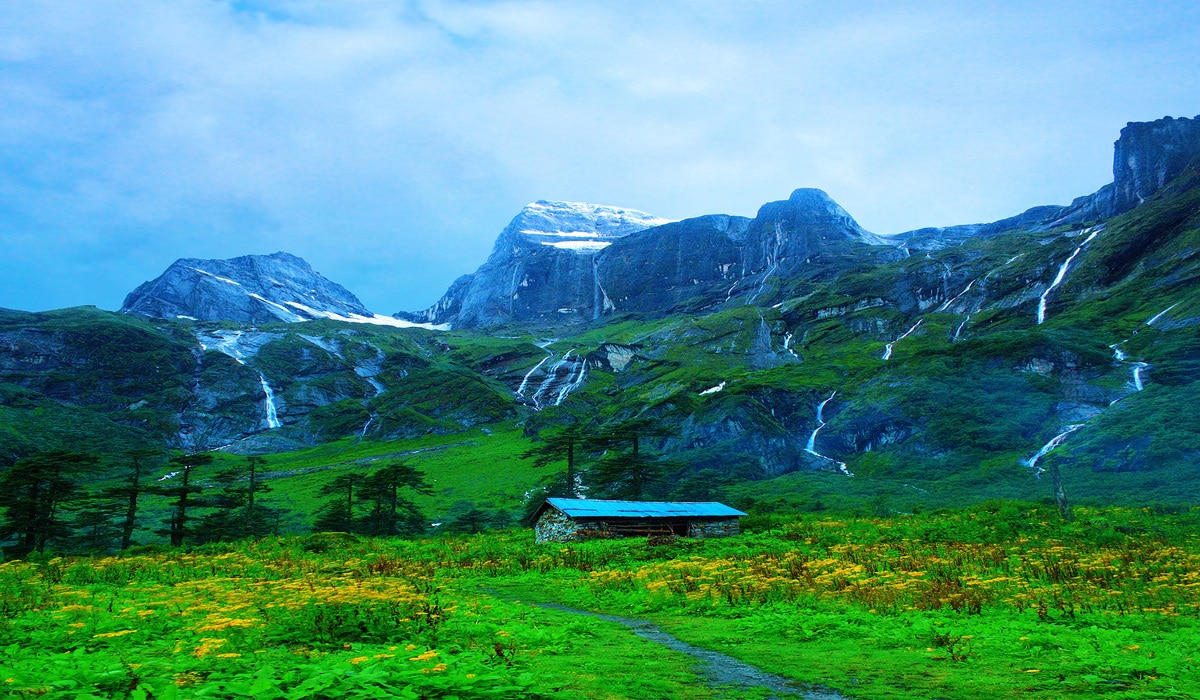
x=693, y=257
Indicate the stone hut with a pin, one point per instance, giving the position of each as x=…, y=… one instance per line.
x=571, y=519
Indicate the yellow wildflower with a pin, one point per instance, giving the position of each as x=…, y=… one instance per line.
x=425, y=656
x=104, y=635
x=359, y=659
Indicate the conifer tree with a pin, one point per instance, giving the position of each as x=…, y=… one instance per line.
x=177, y=523
x=628, y=473
x=391, y=513
x=33, y=492
x=556, y=447
x=337, y=515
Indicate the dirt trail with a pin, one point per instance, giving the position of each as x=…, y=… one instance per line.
x=718, y=669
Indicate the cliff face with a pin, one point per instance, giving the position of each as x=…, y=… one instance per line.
x=542, y=267
x=702, y=261
x=1149, y=155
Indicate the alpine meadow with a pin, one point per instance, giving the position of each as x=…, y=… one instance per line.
x=628, y=457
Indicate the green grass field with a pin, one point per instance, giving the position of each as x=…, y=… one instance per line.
x=1000, y=600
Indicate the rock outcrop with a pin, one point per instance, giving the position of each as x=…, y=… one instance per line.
x=561, y=262
x=249, y=289
x=542, y=267
x=1149, y=155
x=1146, y=157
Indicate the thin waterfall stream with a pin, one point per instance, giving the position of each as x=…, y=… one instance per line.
x=811, y=447
x=1062, y=274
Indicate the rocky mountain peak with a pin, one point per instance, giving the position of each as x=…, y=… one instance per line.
x=1148, y=155
x=811, y=214
x=578, y=227
x=250, y=288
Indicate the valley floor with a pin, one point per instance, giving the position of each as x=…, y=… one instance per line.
x=1001, y=600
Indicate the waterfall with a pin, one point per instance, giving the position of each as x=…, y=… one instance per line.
x=525, y=379
x=272, y=414
x=713, y=390
x=601, y=302
x=562, y=378
x=1160, y=314
x=887, y=349
x=1062, y=273
x=574, y=384
x=1138, y=367
x=762, y=283
x=960, y=295
x=958, y=331
x=812, y=439
x=811, y=447
x=363, y=433
x=764, y=332
x=1054, y=442
x=787, y=346
x=1137, y=375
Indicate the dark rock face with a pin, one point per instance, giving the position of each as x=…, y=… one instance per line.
x=702, y=261
x=542, y=267
x=659, y=268
x=252, y=289
x=576, y=265
x=1149, y=155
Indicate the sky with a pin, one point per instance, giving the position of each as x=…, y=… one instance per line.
x=388, y=142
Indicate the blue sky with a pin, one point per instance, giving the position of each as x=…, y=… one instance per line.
x=389, y=142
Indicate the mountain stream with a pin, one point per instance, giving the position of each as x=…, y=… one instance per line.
x=1062, y=274
x=811, y=447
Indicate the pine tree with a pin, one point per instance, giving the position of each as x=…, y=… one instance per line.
x=556, y=447
x=630, y=473
x=391, y=513
x=234, y=512
x=34, y=490
x=126, y=495
x=337, y=515
x=177, y=523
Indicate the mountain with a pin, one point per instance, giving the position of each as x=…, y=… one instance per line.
x=250, y=289
x=792, y=347
x=559, y=262
x=541, y=266
x=566, y=262
x=1146, y=157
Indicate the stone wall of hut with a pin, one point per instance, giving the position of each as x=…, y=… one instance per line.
x=555, y=526
x=714, y=528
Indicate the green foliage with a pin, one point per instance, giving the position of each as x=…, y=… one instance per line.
x=981, y=602
x=33, y=492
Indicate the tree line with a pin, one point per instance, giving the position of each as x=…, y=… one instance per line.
x=48, y=503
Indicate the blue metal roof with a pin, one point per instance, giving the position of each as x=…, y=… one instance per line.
x=593, y=508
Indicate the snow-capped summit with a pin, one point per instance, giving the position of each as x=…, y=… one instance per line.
x=542, y=264
x=251, y=288
x=554, y=223
x=575, y=226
